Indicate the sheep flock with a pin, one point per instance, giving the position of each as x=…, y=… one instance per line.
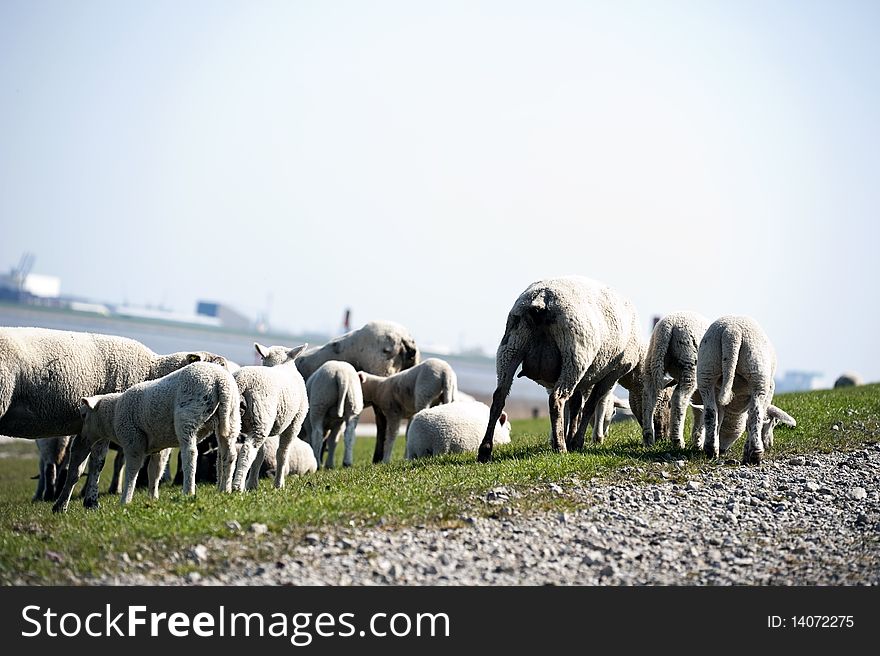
x=78, y=393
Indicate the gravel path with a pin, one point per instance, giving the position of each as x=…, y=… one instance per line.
x=806, y=521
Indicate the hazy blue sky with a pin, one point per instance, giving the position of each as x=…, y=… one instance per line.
x=425, y=162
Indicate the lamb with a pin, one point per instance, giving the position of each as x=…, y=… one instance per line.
x=300, y=461
x=673, y=349
x=335, y=404
x=402, y=395
x=179, y=409
x=44, y=373
x=571, y=334
x=736, y=364
x=455, y=427
x=382, y=348
x=274, y=402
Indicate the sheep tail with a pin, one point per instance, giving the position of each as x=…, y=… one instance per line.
x=731, y=341
x=228, y=410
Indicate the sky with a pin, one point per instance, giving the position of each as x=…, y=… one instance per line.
x=425, y=162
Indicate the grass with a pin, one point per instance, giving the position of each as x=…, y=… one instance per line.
x=39, y=547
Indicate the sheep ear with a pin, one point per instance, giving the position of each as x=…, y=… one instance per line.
x=784, y=418
x=90, y=402
x=296, y=350
x=502, y=418
x=262, y=350
x=193, y=357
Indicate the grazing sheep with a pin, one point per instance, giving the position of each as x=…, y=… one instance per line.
x=335, y=404
x=45, y=373
x=736, y=364
x=179, y=409
x=848, y=379
x=300, y=461
x=452, y=428
x=672, y=350
x=570, y=334
x=274, y=402
x=402, y=395
x=382, y=348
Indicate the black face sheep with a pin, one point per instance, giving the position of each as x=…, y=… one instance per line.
x=179, y=409
x=400, y=396
x=274, y=402
x=570, y=334
x=45, y=373
x=736, y=364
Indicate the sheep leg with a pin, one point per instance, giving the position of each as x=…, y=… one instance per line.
x=118, y=461
x=252, y=444
x=282, y=466
x=391, y=431
x=96, y=464
x=253, y=477
x=79, y=451
x=155, y=469
x=332, y=439
x=134, y=460
x=189, y=453
x=381, y=424
x=226, y=462
x=350, y=427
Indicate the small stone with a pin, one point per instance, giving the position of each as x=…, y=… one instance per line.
x=233, y=526
x=858, y=493
x=312, y=538
x=198, y=553
x=259, y=529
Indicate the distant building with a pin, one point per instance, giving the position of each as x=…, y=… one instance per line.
x=228, y=317
x=798, y=381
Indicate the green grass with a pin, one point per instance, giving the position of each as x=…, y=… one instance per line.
x=435, y=490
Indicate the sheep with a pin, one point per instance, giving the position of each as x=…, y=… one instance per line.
x=571, y=334
x=179, y=409
x=455, y=427
x=335, y=404
x=44, y=373
x=300, y=461
x=848, y=379
x=736, y=364
x=274, y=402
x=402, y=395
x=382, y=348
x=672, y=349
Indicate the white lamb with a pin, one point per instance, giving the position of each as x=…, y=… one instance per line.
x=382, y=348
x=454, y=427
x=672, y=350
x=274, y=402
x=45, y=373
x=570, y=334
x=400, y=396
x=179, y=409
x=301, y=459
x=736, y=364
x=335, y=404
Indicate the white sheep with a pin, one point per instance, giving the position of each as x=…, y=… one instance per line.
x=570, y=334
x=382, y=348
x=402, y=395
x=45, y=373
x=301, y=459
x=454, y=427
x=274, y=402
x=179, y=409
x=672, y=350
x=736, y=364
x=335, y=404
